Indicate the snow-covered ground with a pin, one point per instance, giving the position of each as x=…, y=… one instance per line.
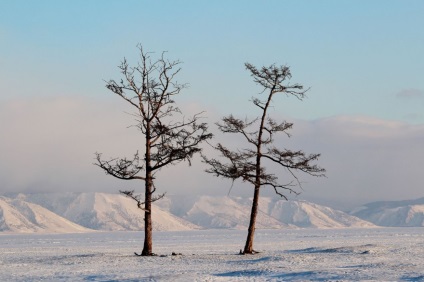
x=211, y=255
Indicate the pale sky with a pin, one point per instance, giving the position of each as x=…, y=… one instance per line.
x=363, y=61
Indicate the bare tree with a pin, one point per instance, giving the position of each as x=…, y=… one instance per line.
x=249, y=164
x=149, y=88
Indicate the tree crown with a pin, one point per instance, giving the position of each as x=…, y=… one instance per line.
x=247, y=164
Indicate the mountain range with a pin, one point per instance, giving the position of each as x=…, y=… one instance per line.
x=20, y=216
x=234, y=212
x=82, y=212
x=107, y=212
x=409, y=213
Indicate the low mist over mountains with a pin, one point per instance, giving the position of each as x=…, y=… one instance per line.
x=82, y=212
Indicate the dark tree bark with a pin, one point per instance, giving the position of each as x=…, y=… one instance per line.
x=149, y=88
x=248, y=164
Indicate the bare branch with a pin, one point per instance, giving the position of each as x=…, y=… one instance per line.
x=273, y=78
x=233, y=125
x=136, y=198
x=150, y=87
x=295, y=160
x=158, y=197
x=246, y=164
x=124, y=169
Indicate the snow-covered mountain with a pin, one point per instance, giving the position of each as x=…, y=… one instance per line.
x=234, y=212
x=393, y=213
x=306, y=214
x=20, y=216
x=115, y=212
x=108, y=212
x=217, y=212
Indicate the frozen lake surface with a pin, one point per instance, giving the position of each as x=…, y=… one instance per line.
x=212, y=255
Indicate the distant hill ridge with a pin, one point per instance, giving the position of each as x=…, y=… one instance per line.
x=17, y=215
x=234, y=212
x=108, y=212
x=406, y=213
x=114, y=212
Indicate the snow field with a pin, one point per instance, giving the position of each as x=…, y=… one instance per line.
x=211, y=255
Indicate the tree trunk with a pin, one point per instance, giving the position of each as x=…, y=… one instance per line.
x=148, y=242
x=148, y=238
x=248, y=248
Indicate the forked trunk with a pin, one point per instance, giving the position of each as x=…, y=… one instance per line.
x=248, y=248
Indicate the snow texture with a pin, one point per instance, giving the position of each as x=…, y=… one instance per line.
x=383, y=254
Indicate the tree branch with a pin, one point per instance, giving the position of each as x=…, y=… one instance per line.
x=124, y=169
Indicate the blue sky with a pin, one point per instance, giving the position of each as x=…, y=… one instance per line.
x=360, y=58
x=355, y=55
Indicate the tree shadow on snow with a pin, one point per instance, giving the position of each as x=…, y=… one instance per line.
x=256, y=260
x=308, y=275
x=413, y=278
x=246, y=273
x=363, y=249
x=302, y=275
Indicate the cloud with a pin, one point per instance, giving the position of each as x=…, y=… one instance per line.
x=367, y=159
x=410, y=94
x=48, y=144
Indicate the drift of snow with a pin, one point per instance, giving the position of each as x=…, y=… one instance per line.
x=383, y=254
